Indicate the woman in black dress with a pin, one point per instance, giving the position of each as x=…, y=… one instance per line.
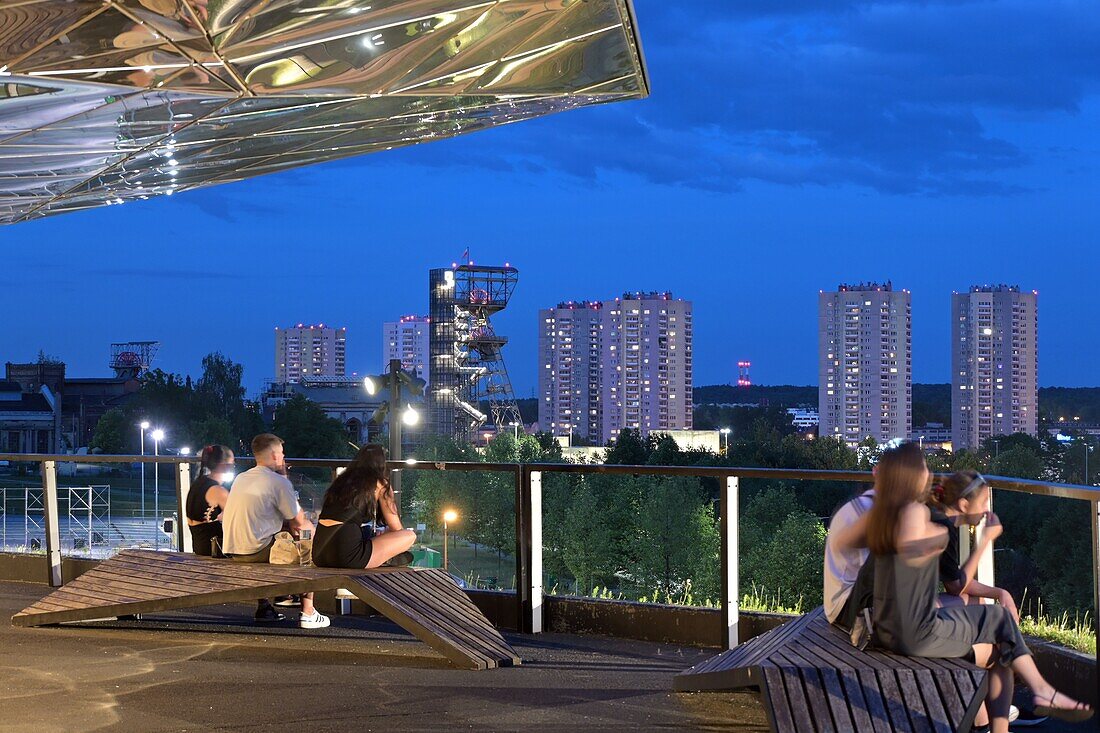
x=906, y=545
x=206, y=497
x=359, y=495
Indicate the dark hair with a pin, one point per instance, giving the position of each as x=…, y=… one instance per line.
x=357, y=484
x=959, y=485
x=213, y=456
x=264, y=442
x=899, y=481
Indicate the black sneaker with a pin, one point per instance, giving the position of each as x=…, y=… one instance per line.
x=268, y=615
x=399, y=561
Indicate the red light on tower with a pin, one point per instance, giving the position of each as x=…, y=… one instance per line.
x=743, y=379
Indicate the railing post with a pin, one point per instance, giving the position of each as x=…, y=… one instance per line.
x=534, y=523
x=986, y=574
x=730, y=568
x=50, y=516
x=183, y=487
x=1094, y=518
x=523, y=550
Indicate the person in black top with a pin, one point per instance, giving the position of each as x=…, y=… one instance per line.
x=207, y=496
x=359, y=495
x=963, y=500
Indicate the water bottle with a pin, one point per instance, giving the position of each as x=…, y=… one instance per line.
x=306, y=536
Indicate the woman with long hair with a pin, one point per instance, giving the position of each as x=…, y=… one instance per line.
x=906, y=546
x=207, y=496
x=358, y=495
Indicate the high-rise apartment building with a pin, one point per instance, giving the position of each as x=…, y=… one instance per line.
x=619, y=364
x=407, y=340
x=865, y=363
x=994, y=364
x=309, y=351
x=570, y=349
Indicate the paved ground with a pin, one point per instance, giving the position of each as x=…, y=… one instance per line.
x=211, y=670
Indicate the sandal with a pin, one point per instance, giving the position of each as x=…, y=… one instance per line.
x=1076, y=714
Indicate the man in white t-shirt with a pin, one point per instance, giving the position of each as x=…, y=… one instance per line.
x=260, y=505
x=847, y=590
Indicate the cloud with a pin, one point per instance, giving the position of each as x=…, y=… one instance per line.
x=900, y=97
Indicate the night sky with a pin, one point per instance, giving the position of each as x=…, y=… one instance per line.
x=788, y=146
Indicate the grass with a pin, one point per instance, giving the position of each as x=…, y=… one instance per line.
x=1074, y=632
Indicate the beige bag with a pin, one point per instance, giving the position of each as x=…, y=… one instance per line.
x=289, y=551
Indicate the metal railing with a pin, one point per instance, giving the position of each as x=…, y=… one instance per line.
x=528, y=512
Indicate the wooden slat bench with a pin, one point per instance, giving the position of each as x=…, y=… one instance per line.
x=425, y=602
x=811, y=678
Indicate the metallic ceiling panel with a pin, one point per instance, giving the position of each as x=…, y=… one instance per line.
x=108, y=101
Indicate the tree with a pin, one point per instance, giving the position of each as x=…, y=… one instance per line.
x=782, y=546
x=630, y=449
x=308, y=432
x=110, y=433
x=676, y=538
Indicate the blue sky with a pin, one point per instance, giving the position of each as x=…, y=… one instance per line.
x=788, y=146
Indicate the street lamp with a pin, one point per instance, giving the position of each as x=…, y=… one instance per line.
x=395, y=380
x=515, y=429
x=142, y=427
x=449, y=517
x=725, y=434
x=185, y=451
x=157, y=436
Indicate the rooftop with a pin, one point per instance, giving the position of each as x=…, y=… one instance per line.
x=211, y=668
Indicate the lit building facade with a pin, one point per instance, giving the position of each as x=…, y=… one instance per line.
x=309, y=351
x=618, y=364
x=407, y=340
x=570, y=348
x=994, y=364
x=865, y=363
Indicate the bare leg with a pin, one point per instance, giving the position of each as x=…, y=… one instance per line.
x=307, y=604
x=997, y=701
x=1043, y=691
x=390, y=544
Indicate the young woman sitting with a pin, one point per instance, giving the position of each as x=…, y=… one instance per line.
x=206, y=497
x=963, y=500
x=906, y=545
x=359, y=495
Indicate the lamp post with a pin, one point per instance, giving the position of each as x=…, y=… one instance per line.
x=449, y=516
x=515, y=429
x=157, y=436
x=142, y=427
x=725, y=432
x=393, y=380
x=185, y=451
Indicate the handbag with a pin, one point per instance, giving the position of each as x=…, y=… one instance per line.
x=288, y=551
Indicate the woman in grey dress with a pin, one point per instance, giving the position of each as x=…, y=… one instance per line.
x=906, y=544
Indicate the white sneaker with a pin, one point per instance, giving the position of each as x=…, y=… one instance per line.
x=316, y=621
x=1013, y=713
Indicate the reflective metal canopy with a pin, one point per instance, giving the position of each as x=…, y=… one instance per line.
x=105, y=101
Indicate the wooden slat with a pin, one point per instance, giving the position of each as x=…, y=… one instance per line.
x=459, y=612
x=813, y=687
x=895, y=705
x=425, y=612
x=933, y=701
x=395, y=606
x=919, y=716
x=775, y=694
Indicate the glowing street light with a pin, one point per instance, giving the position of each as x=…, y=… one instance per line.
x=157, y=436
x=410, y=416
x=725, y=432
x=185, y=451
x=449, y=517
x=142, y=427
